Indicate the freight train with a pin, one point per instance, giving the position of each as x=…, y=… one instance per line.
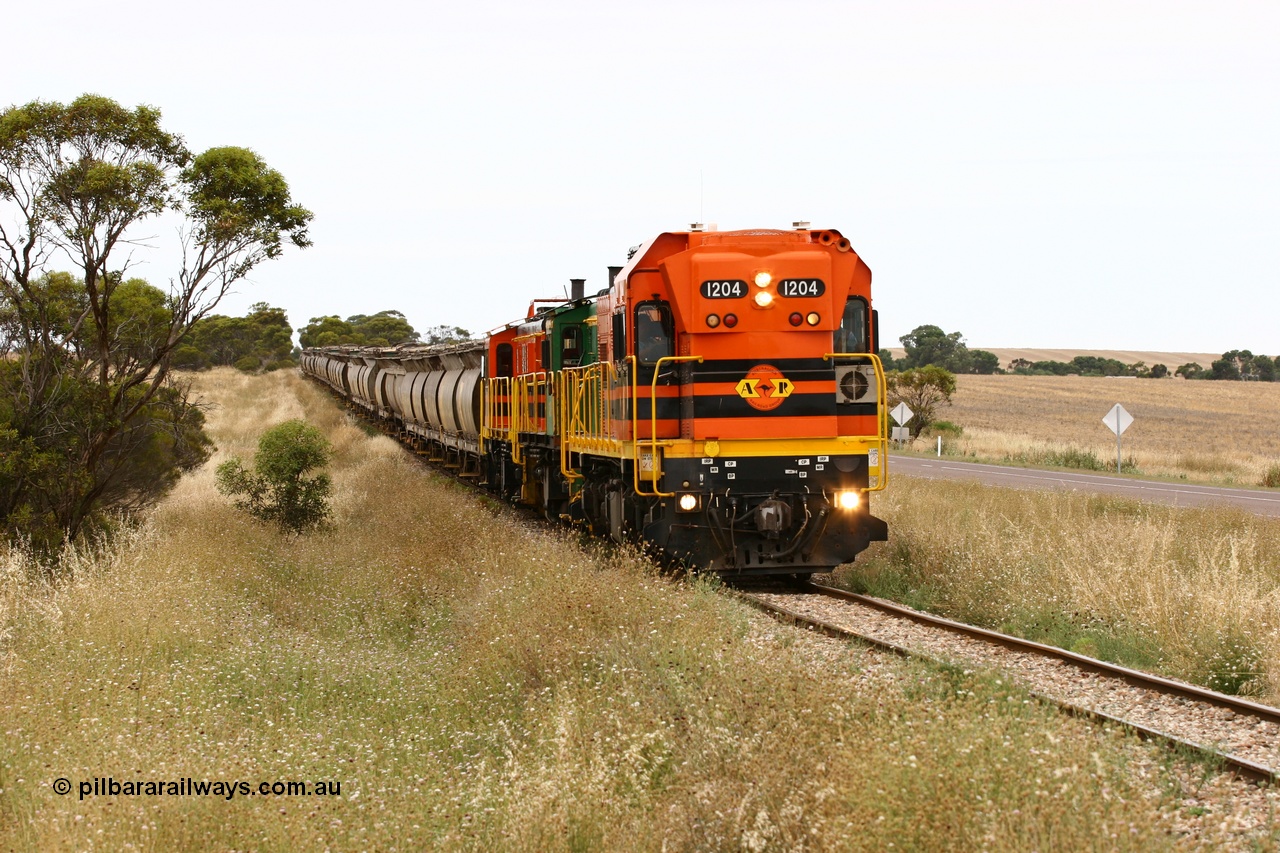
x=719, y=400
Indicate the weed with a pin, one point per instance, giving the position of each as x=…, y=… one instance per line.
x=1232, y=664
x=363, y=425
x=1271, y=479
x=895, y=579
x=1085, y=635
x=1067, y=457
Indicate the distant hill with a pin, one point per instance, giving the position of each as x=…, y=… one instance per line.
x=1171, y=360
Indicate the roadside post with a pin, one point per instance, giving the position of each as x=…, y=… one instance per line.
x=1117, y=420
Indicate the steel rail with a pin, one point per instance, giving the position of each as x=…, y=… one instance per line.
x=1242, y=767
x=1132, y=676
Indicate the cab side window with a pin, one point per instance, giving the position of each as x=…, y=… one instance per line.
x=618, y=345
x=505, y=360
x=571, y=346
x=653, y=332
x=852, y=334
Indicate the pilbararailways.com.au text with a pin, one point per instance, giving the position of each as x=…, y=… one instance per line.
x=188, y=787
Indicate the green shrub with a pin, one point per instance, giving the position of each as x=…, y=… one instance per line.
x=248, y=363
x=947, y=428
x=1073, y=457
x=1271, y=479
x=187, y=357
x=278, y=490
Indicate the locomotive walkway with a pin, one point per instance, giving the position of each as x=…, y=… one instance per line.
x=1259, y=502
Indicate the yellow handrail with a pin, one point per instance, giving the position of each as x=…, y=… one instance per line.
x=492, y=390
x=882, y=414
x=585, y=408
x=653, y=429
x=513, y=421
x=524, y=389
x=566, y=415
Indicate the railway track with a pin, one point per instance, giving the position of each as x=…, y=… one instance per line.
x=1243, y=736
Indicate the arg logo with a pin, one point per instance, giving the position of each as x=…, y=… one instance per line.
x=764, y=387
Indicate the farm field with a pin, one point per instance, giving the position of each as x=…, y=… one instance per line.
x=1214, y=432
x=1171, y=360
x=473, y=681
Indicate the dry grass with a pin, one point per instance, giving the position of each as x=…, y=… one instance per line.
x=1192, y=593
x=475, y=683
x=1220, y=432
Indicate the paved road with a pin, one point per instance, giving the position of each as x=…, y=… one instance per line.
x=1177, y=494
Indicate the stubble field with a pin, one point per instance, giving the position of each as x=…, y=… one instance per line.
x=476, y=682
x=1219, y=432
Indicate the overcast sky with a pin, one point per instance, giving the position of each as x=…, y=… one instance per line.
x=1049, y=174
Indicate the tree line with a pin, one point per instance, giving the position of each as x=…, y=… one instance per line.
x=384, y=329
x=1087, y=365
x=263, y=338
x=930, y=345
x=260, y=340
x=1235, y=365
x=1238, y=365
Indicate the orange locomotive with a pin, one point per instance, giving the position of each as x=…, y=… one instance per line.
x=721, y=400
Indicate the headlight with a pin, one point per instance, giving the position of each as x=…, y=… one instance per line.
x=848, y=500
x=763, y=279
x=687, y=502
x=764, y=298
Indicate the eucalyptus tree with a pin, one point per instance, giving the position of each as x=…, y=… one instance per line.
x=85, y=373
